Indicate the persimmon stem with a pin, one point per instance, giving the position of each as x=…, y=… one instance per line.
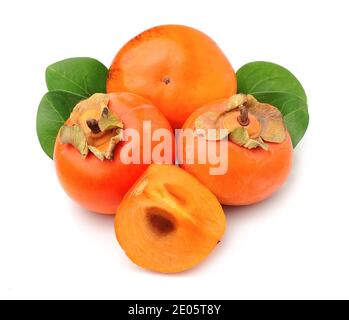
x=243, y=117
x=93, y=125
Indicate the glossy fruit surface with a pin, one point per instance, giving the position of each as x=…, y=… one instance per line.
x=176, y=67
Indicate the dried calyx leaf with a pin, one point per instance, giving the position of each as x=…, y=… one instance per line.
x=272, y=122
x=109, y=154
x=267, y=125
x=109, y=120
x=75, y=136
x=99, y=154
x=207, y=120
x=240, y=136
x=255, y=143
x=95, y=128
x=236, y=101
x=207, y=124
x=96, y=101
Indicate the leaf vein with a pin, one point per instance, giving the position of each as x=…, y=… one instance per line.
x=53, y=108
x=70, y=80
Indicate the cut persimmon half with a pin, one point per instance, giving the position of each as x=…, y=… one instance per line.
x=169, y=222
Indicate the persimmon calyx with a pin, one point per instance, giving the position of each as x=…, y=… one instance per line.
x=93, y=128
x=247, y=123
x=241, y=137
x=109, y=121
x=109, y=154
x=75, y=136
x=236, y=101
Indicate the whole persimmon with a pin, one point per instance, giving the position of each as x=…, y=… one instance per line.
x=169, y=222
x=259, y=149
x=89, y=148
x=176, y=67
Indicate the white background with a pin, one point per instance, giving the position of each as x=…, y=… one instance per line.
x=294, y=245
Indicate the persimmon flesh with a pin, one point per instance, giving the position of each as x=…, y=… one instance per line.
x=176, y=67
x=99, y=185
x=169, y=222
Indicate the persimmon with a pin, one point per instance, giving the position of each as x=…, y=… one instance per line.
x=176, y=67
x=259, y=148
x=169, y=222
x=89, y=146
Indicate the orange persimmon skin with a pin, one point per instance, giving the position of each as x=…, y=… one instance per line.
x=252, y=175
x=189, y=221
x=176, y=67
x=100, y=186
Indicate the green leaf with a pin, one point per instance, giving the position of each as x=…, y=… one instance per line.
x=54, y=109
x=82, y=76
x=273, y=84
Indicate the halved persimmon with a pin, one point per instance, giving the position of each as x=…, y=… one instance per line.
x=89, y=148
x=259, y=149
x=169, y=222
x=176, y=67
